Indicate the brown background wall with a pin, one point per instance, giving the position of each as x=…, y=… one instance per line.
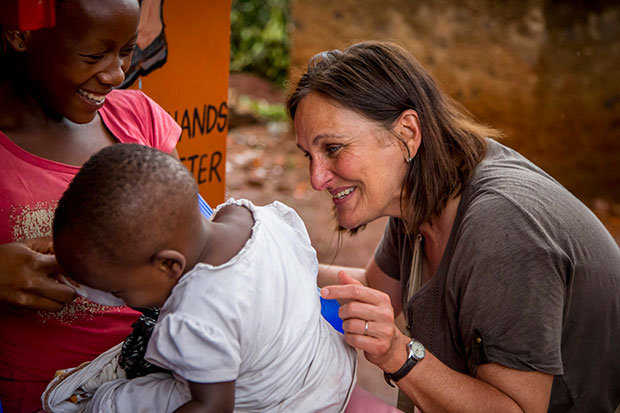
x=546, y=72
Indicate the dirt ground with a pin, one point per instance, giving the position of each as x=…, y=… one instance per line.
x=263, y=164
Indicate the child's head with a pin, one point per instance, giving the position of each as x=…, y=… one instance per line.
x=126, y=222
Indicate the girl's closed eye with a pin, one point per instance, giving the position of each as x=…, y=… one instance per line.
x=92, y=58
x=126, y=51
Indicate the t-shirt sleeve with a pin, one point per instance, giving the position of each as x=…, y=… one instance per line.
x=387, y=254
x=196, y=350
x=510, y=289
x=133, y=117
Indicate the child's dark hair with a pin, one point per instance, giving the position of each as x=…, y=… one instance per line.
x=123, y=196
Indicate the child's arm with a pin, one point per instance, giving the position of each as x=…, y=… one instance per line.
x=210, y=397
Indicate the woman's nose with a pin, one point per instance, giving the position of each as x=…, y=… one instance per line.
x=320, y=175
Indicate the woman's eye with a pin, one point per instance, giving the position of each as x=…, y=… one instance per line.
x=332, y=149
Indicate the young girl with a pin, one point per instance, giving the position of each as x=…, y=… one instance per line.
x=240, y=314
x=58, y=106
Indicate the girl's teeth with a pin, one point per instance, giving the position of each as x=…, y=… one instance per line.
x=92, y=97
x=344, y=193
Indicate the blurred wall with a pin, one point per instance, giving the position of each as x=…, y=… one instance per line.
x=546, y=72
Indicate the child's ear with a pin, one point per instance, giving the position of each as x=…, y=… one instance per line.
x=172, y=262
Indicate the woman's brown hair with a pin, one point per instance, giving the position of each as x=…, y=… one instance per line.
x=380, y=80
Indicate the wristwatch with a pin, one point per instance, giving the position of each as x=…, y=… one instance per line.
x=416, y=353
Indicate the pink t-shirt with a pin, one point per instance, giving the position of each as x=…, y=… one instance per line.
x=34, y=345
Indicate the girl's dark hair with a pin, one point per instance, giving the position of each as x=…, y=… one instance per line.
x=380, y=80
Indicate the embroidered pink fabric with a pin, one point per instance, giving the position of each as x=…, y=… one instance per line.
x=34, y=345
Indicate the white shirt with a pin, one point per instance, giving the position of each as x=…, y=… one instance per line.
x=257, y=320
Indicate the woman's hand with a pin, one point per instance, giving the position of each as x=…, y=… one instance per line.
x=26, y=268
x=368, y=322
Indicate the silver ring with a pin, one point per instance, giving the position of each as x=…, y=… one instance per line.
x=366, y=329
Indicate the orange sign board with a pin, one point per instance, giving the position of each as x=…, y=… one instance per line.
x=191, y=84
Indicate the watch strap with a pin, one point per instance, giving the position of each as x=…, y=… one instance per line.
x=402, y=372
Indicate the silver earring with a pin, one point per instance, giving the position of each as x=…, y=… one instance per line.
x=21, y=46
x=409, y=157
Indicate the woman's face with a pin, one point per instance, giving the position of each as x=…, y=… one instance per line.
x=73, y=66
x=356, y=160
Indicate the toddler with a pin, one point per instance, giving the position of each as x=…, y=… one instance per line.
x=240, y=313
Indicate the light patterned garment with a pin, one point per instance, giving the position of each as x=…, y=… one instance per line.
x=256, y=319
x=34, y=345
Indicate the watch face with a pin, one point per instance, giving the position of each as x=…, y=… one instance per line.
x=416, y=349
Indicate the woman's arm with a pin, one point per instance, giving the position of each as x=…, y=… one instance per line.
x=431, y=385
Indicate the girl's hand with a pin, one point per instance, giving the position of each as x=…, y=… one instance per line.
x=26, y=270
x=368, y=322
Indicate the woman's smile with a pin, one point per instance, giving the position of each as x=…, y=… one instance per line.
x=343, y=195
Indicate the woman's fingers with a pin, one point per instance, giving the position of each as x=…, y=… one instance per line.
x=367, y=314
x=356, y=292
x=368, y=318
x=367, y=328
x=356, y=326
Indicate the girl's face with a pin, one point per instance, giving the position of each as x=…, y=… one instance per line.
x=356, y=160
x=73, y=66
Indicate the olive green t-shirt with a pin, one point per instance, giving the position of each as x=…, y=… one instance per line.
x=530, y=279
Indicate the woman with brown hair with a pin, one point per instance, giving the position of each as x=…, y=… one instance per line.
x=508, y=283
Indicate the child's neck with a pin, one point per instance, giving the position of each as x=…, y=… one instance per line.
x=223, y=237
x=200, y=243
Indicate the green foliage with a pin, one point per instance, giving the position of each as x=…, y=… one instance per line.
x=259, y=40
x=269, y=112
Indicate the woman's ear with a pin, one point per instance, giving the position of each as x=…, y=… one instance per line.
x=172, y=262
x=409, y=130
x=16, y=39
